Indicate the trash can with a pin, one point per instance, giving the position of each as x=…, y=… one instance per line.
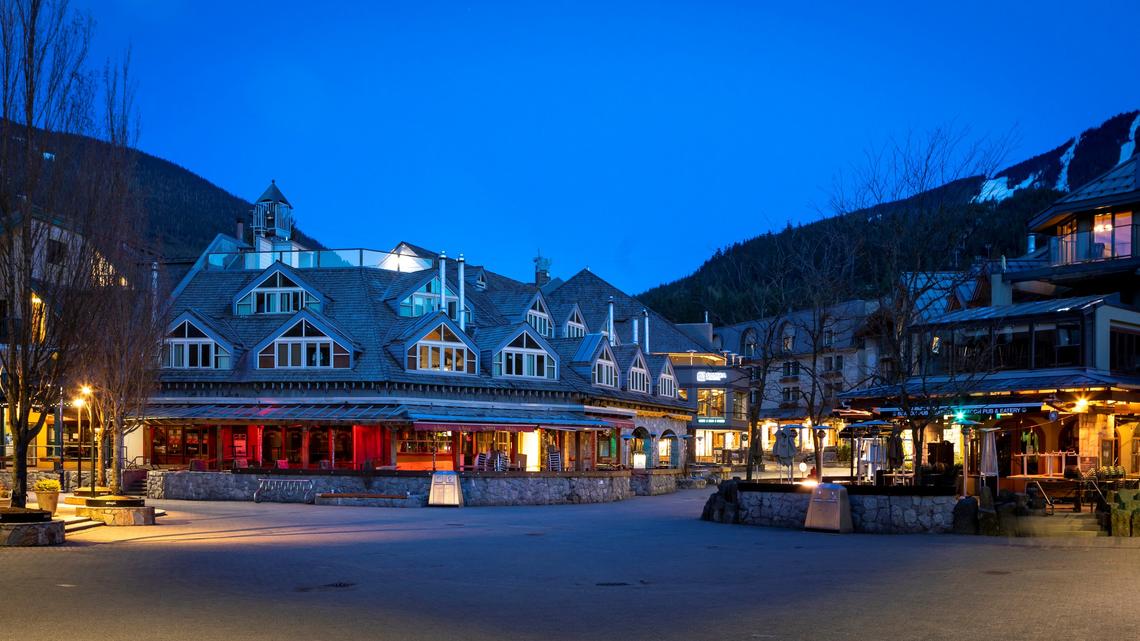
x=445, y=490
x=829, y=509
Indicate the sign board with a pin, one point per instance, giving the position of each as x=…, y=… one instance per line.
x=711, y=377
x=445, y=490
x=710, y=420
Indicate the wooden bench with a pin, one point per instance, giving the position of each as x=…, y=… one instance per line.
x=285, y=489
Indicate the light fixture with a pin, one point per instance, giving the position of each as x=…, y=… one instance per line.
x=85, y=390
x=78, y=402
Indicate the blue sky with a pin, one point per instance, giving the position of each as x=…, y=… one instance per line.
x=634, y=138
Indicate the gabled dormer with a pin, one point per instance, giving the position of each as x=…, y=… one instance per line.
x=406, y=257
x=596, y=361
x=191, y=343
x=538, y=316
x=437, y=345
x=306, y=341
x=574, y=325
x=277, y=290
x=524, y=353
x=637, y=377
x=666, y=379
x=424, y=299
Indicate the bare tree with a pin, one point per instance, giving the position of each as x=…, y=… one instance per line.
x=915, y=197
x=53, y=203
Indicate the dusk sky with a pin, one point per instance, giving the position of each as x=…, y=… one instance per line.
x=634, y=138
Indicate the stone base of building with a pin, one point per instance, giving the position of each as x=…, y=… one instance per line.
x=121, y=516
x=31, y=534
x=479, y=488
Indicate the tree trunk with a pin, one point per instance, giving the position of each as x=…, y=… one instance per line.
x=116, y=456
x=916, y=435
x=100, y=473
x=19, y=472
x=818, y=442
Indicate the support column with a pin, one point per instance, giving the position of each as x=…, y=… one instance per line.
x=304, y=447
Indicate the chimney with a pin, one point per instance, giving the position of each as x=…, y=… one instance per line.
x=541, y=270
x=240, y=230
x=635, y=330
x=706, y=316
x=1031, y=243
x=443, y=282
x=462, y=300
x=645, y=317
x=610, y=321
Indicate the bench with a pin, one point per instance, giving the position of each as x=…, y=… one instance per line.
x=284, y=490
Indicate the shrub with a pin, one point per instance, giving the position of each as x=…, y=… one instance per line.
x=46, y=485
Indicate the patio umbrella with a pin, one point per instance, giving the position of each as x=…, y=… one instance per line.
x=989, y=463
x=786, y=447
x=965, y=425
x=895, y=449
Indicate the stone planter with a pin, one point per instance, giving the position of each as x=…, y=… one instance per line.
x=47, y=500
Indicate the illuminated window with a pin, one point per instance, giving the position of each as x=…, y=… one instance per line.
x=539, y=318
x=575, y=326
x=425, y=300
x=277, y=294
x=710, y=402
x=667, y=385
x=638, y=377
x=188, y=347
x=304, y=346
x=525, y=357
x=441, y=350
x=605, y=370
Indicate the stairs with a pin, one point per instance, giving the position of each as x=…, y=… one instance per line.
x=1060, y=524
x=136, y=488
x=73, y=524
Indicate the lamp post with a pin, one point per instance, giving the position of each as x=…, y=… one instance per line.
x=80, y=402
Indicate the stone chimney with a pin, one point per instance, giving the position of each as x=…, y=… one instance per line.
x=541, y=270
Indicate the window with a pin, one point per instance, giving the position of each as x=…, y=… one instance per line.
x=833, y=389
x=1124, y=351
x=539, y=318
x=710, y=402
x=425, y=300
x=575, y=325
x=441, y=350
x=789, y=342
x=791, y=368
x=789, y=395
x=748, y=345
x=525, y=357
x=56, y=252
x=188, y=347
x=682, y=393
x=638, y=378
x=828, y=338
x=303, y=346
x=605, y=370
x=1011, y=347
x=740, y=406
x=833, y=363
x=277, y=294
x=1112, y=235
x=667, y=386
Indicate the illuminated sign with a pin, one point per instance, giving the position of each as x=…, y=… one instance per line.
x=711, y=377
x=710, y=420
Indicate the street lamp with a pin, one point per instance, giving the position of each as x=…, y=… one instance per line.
x=79, y=403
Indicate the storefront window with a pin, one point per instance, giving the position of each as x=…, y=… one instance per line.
x=740, y=406
x=414, y=442
x=710, y=402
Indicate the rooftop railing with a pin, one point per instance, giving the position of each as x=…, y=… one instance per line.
x=318, y=259
x=1085, y=247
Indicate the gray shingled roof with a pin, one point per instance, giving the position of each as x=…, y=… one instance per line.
x=273, y=194
x=1022, y=310
x=1118, y=186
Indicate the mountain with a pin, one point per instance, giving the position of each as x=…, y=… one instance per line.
x=186, y=211
x=990, y=214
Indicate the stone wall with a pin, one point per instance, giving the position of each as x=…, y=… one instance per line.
x=870, y=513
x=537, y=488
x=654, y=482
x=506, y=488
x=35, y=475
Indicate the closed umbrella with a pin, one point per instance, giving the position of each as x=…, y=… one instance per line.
x=966, y=425
x=786, y=446
x=895, y=449
x=989, y=463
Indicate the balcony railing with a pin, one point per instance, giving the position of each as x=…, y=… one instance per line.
x=1086, y=246
x=318, y=259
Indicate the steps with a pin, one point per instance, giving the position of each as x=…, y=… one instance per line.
x=73, y=524
x=137, y=488
x=1060, y=524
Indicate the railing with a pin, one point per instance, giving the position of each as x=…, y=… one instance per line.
x=1050, y=508
x=317, y=259
x=1084, y=246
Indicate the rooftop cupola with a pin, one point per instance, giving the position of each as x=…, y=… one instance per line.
x=272, y=215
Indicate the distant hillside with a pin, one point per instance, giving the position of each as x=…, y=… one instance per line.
x=992, y=214
x=186, y=211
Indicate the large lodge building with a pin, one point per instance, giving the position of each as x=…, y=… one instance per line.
x=288, y=358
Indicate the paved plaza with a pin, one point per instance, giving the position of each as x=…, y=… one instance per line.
x=646, y=568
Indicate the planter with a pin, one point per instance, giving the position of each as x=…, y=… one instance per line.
x=6, y=501
x=47, y=500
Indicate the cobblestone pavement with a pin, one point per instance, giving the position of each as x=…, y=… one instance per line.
x=640, y=569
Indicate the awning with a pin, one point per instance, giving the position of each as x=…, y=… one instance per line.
x=618, y=423
x=272, y=413
x=428, y=426
x=466, y=419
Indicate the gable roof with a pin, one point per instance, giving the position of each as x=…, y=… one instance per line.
x=206, y=325
x=1118, y=186
x=319, y=321
x=279, y=267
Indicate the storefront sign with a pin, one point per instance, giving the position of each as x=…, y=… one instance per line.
x=710, y=420
x=711, y=377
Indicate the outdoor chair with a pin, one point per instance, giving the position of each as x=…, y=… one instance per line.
x=502, y=462
x=554, y=461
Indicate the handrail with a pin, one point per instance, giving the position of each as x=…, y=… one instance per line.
x=1050, y=507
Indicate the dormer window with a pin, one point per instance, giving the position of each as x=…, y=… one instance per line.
x=441, y=350
x=188, y=347
x=277, y=294
x=605, y=370
x=480, y=282
x=638, y=378
x=524, y=356
x=304, y=346
x=425, y=300
x=539, y=318
x=575, y=325
x=667, y=385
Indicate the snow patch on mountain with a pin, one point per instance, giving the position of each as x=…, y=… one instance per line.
x=1066, y=159
x=998, y=189
x=1129, y=146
